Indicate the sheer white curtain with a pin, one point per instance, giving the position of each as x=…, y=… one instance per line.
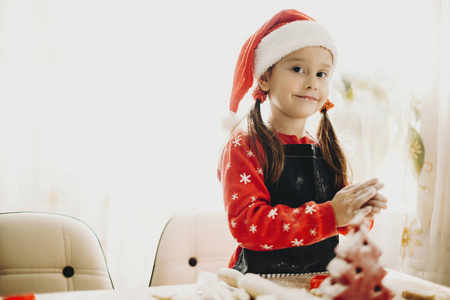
x=396, y=127
x=425, y=234
x=434, y=189
x=110, y=112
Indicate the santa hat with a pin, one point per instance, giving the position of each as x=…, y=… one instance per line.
x=286, y=32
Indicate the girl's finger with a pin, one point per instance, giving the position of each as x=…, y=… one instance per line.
x=349, y=186
x=370, y=216
x=364, y=197
x=380, y=197
x=365, y=211
x=379, y=186
x=375, y=203
x=369, y=183
x=362, y=188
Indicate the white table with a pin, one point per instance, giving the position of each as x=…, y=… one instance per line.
x=396, y=281
x=179, y=292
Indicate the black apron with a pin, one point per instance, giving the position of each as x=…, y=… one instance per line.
x=305, y=177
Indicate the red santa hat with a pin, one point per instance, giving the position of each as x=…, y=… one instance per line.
x=286, y=32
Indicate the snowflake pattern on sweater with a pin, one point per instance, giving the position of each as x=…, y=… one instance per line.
x=253, y=222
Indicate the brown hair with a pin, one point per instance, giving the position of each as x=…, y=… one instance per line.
x=331, y=150
x=263, y=137
x=273, y=162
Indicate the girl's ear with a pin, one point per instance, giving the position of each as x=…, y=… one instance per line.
x=263, y=81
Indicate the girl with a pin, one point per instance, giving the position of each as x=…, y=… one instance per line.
x=286, y=194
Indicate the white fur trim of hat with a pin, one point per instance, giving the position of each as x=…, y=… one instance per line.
x=289, y=38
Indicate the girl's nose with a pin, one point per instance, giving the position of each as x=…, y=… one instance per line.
x=311, y=83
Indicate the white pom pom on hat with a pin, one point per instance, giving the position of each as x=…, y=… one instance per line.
x=230, y=122
x=286, y=32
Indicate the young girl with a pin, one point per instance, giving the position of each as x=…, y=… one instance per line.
x=286, y=194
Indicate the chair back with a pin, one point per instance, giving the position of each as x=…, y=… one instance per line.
x=44, y=252
x=191, y=242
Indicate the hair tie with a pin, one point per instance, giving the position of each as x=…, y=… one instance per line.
x=259, y=94
x=327, y=106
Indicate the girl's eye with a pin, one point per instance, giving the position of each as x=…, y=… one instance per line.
x=297, y=70
x=322, y=74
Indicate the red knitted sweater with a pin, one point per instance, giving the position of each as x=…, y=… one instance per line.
x=253, y=222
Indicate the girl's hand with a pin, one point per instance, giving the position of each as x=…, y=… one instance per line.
x=356, y=198
x=378, y=202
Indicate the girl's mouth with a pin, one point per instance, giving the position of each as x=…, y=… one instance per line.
x=307, y=98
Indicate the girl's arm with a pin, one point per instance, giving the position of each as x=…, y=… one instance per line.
x=253, y=222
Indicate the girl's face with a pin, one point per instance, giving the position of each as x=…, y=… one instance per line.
x=298, y=84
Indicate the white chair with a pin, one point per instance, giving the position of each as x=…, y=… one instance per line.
x=44, y=252
x=191, y=242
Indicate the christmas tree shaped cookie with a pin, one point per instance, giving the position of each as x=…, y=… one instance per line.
x=355, y=272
